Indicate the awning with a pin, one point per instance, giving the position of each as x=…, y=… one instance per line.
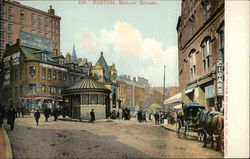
x=179, y=106
x=173, y=99
x=189, y=90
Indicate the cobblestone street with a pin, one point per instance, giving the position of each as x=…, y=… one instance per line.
x=118, y=139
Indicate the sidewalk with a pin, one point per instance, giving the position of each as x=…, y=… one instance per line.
x=86, y=121
x=5, y=147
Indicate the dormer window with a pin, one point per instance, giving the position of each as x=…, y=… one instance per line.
x=44, y=57
x=61, y=61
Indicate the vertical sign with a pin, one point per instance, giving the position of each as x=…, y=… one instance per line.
x=219, y=78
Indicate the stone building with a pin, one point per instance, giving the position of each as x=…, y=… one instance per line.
x=16, y=18
x=200, y=31
x=106, y=75
x=33, y=78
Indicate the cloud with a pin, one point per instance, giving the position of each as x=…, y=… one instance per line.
x=124, y=40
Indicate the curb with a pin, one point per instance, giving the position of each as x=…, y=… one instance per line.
x=86, y=121
x=175, y=130
x=8, y=145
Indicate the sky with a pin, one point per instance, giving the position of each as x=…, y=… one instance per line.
x=138, y=39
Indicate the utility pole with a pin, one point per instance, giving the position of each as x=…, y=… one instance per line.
x=164, y=83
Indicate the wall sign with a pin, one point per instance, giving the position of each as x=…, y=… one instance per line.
x=219, y=78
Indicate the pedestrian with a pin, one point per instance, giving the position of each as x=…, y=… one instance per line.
x=149, y=117
x=55, y=113
x=139, y=116
x=46, y=114
x=11, y=117
x=144, y=117
x=118, y=114
x=22, y=111
x=156, y=115
x=37, y=116
x=92, y=116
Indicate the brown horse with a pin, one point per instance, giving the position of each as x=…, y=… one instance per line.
x=213, y=124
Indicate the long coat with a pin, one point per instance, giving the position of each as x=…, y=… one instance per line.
x=11, y=116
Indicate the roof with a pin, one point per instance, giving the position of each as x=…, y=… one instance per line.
x=194, y=105
x=87, y=84
x=104, y=65
x=174, y=99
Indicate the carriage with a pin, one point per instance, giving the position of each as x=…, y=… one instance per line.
x=185, y=121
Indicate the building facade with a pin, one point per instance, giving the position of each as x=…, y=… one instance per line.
x=200, y=31
x=16, y=17
x=34, y=79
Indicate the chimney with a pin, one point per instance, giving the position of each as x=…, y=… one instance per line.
x=51, y=10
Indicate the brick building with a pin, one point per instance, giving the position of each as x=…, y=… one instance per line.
x=133, y=91
x=200, y=31
x=16, y=17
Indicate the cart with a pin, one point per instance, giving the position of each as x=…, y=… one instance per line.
x=185, y=122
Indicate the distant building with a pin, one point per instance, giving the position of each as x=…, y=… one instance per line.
x=200, y=31
x=132, y=91
x=16, y=17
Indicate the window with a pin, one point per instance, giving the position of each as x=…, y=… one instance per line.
x=59, y=90
x=46, y=28
x=33, y=16
x=10, y=10
x=2, y=34
x=64, y=76
x=46, y=35
x=21, y=73
x=2, y=26
x=22, y=21
x=44, y=88
x=101, y=99
x=50, y=89
x=22, y=13
x=206, y=53
x=33, y=24
x=11, y=18
x=40, y=33
x=33, y=32
x=10, y=27
x=2, y=44
x=2, y=16
x=54, y=74
x=44, y=57
x=32, y=72
x=39, y=18
x=61, y=61
x=94, y=98
x=22, y=29
x=16, y=74
x=85, y=99
x=10, y=36
x=60, y=75
x=2, y=7
x=192, y=59
x=43, y=73
x=39, y=26
x=21, y=90
x=32, y=87
x=49, y=74
x=46, y=20
x=192, y=22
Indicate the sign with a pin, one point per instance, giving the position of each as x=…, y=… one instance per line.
x=6, y=78
x=219, y=78
x=35, y=41
x=12, y=60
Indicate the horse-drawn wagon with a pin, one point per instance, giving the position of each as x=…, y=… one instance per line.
x=197, y=119
x=186, y=121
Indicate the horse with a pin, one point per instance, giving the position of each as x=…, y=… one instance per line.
x=212, y=123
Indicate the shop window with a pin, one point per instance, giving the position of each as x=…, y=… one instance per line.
x=85, y=99
x=43, y=73
x=32, y=72
x=49, y=74
x=94, y=99
x=32, y=87
x=206, y=54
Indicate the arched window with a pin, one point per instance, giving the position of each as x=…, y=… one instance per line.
x=206, y=9
x=192, y=59
x=206, y=53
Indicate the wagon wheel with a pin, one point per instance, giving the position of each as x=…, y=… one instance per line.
x=222, y=141
x=186, y=130
x=178, y=128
